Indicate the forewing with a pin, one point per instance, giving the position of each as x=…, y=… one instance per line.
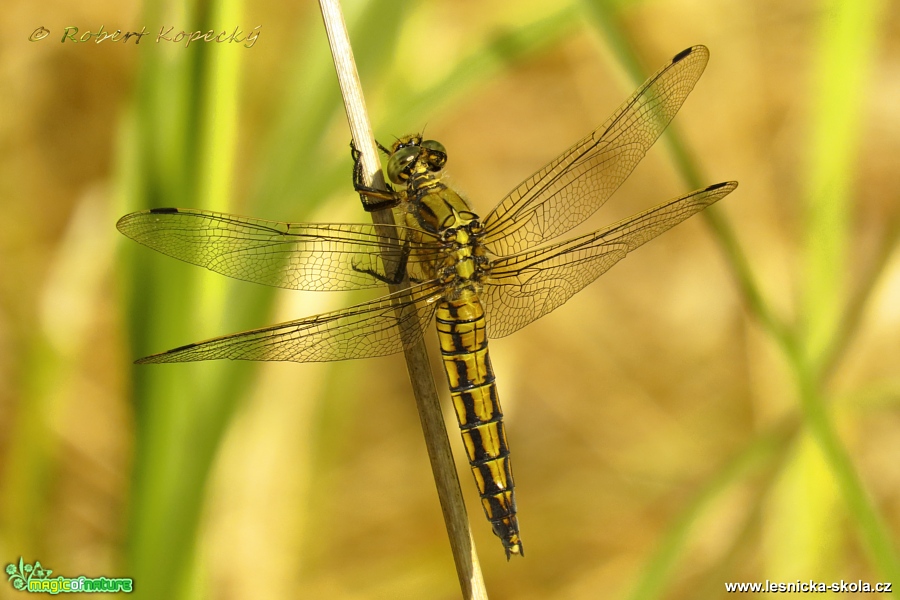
x=525, y=287
x=298, y=256
x=572, y=187
x=375, y=328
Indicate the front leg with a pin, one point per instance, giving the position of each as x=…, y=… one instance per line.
x=383, y=199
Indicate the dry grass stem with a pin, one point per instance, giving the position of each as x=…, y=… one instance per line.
x=421, y=377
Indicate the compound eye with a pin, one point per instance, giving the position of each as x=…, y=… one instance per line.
x=434, y=145
x=436, y=157
x=400, y=163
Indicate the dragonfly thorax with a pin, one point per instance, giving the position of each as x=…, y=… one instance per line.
x=465, y=257
x=433, y=206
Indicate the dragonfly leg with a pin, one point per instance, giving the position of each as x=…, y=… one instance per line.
x=387, y=198
x=398, y=273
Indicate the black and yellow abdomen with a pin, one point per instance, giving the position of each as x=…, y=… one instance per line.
x=464, y=350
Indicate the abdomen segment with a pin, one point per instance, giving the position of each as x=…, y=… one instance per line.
x=464, y=350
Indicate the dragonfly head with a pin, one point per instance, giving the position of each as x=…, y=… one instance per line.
x=410, y=155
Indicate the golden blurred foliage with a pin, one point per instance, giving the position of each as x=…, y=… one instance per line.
x=723, y=406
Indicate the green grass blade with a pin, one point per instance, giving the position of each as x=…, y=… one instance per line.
x=185, y=115
x=847, y=39
x=843, y=65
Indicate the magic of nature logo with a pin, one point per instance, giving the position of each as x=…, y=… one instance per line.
x=27, y=577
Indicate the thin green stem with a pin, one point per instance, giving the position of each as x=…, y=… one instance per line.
x=607, y=21
x=756, y=453
x=852, y=314
x=873, y=529
x=808, y=380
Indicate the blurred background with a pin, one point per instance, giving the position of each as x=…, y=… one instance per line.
x=722, y=406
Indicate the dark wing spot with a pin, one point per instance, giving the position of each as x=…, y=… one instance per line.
x=180, y=348
x=681, y=55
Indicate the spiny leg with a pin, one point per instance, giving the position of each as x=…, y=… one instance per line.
x=399, y=272
x=383, y=198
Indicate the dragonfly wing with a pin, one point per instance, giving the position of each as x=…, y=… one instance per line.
x=298, y=256
x=526, y=286
x=571, y=188
x=375, y=328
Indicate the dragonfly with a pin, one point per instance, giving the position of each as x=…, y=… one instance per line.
x=478, y=278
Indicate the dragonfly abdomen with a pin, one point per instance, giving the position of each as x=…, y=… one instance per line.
x=464, y=350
